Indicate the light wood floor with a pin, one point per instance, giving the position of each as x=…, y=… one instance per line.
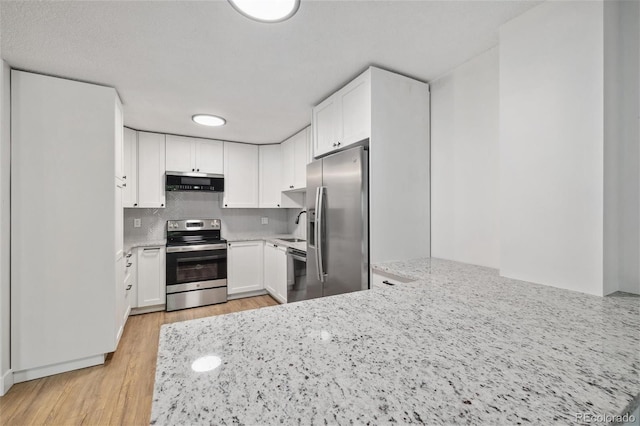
x=116, y=393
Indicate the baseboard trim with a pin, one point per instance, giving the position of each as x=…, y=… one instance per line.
x=7, y=382
x=147, y=309
x=63, y=367
x=246, y=294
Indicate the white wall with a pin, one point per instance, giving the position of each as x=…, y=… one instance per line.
x=465, y=163
x=6, y=378
x=621, y=171
x=551, y=146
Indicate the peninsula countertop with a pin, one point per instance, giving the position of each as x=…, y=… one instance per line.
x=460, y=345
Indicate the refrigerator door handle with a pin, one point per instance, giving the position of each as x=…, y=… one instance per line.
x=319, y=231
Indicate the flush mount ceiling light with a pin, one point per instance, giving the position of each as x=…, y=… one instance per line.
x=266, y=10
x=209, y=120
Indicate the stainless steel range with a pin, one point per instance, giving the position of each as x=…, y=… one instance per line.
x=196, y=264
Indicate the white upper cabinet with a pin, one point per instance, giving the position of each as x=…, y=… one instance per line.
x=209, y=156
x=241, y=175
x=130, y=193
x=300, y=158
x=194, y=155
x=179, y=154
x=151, y=169
x=325, y=126
x=295, y=155
x=344, y=118
x=288, y=164
x=270, y=176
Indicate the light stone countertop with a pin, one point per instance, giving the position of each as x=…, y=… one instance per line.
x=128, y=245
x=460, y=345
x=273, y=238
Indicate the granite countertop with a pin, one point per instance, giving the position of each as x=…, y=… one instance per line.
x=276, y=239
x=128, y=245
x=460, y=345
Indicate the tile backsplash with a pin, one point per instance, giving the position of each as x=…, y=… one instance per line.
x=299, y=230
x=196, y=205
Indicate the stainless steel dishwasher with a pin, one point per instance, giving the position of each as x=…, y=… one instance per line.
x=296, y=275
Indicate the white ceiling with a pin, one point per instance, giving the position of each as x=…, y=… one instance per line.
x=172, y=59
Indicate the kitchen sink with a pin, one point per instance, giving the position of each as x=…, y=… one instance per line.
x=293, y=240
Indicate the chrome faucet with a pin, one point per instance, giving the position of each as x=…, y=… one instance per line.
x=298, y=218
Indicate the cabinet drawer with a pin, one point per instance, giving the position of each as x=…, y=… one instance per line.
x=382, y=279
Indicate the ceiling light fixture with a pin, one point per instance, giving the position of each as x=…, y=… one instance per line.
x=266, y=10
x=209, y=120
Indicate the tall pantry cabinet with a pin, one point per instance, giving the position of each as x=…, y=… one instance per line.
x=67, y=179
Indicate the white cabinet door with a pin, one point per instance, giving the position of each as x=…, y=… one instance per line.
x=275, y=271
x=119, y=142
x=344, y=118
x=270, y=176
x=280, y=260
x=300, y=149
x=325, y=126
x=209, y=156
x=151, y=276
x=288, y=164
x=119, y=219
x=240, y=175
x=151, y=168
x=244, y=266
x=131, y=278
x=120, y=299
x=179, y=156
x=130, y=193
x=270, y=268
x=355, y=119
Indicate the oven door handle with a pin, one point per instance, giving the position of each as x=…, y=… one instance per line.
x=201, y=258
x=179, y=249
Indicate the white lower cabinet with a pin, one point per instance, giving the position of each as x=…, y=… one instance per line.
x=275, y=271
x=383, y=279
x=131, y=279
x=120, y=300
x=244, y=267
x=151, y=276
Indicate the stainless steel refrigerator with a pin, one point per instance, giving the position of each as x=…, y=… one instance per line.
x=337, y=224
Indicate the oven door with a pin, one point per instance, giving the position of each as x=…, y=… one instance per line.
x=208, y=267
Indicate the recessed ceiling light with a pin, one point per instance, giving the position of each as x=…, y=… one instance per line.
x=266, y=10
x=209, y=120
